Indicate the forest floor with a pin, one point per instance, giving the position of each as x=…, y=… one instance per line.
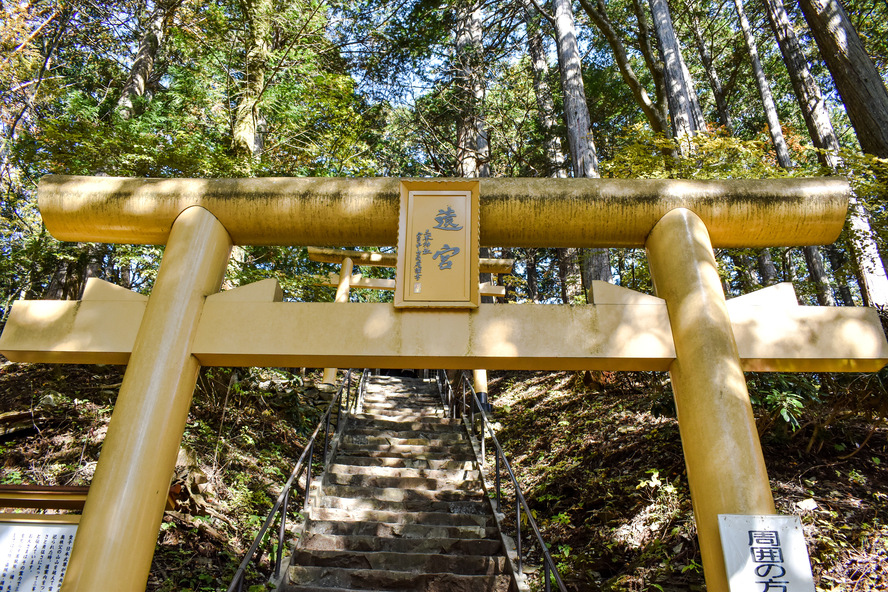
x=599, y=457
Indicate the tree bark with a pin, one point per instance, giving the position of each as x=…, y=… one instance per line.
x=806, y=89
x=655, y=66
x=856, y=77
x=718, y=91
x=149, y=44
x=579, y=132
x=684, y=122
x=545, y=104
x=870, y=266
x=764, y=88
x=818, y=276
x=472, y=146
x=598, y=13
x=767, y=270
x=249, y=124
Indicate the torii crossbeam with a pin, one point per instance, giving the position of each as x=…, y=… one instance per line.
x=688, y=328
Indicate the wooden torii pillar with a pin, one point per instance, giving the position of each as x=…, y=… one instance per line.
x=345, y=281
x=689, y=329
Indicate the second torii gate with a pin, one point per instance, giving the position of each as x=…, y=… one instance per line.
x=689, y=329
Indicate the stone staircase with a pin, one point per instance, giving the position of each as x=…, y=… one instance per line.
x=401, y=506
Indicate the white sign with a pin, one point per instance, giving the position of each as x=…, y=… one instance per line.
x=33, y=557
x=765, y=553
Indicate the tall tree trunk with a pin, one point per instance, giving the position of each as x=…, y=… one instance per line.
x=598, y=13
x=696, y=111
x=806, y=89
x=472, y=147
x=545, y=104
x=856, y=77
x=530, y=266
x=837, y=262
x=579, y=128
x=764, y=89
x=812, y=254
x=655, y=66
x=579, y=132
x=718, y=91
x=870, y=267
x=767, y=270
x=149, y=44
x=684, y=122
x=249, y=123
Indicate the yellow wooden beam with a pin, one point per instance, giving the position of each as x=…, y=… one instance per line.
x=377, y=335
x=784, y=339
x=529, y=212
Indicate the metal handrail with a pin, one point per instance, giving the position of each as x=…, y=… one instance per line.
x=470, y=407
x=303, y=464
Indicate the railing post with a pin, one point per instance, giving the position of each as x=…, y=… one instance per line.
x=308, y=475
x=518, y=525
x=548, y=583
x=499, y=503
x=283, y=532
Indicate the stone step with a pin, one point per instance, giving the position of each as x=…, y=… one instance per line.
x=435, y=462
x=435, y=545
x=321, y=578
x=399, y=518
x=410, y=505
x=408, y=562
x=396, y=494
x=402, y=412
x=405, y=396
x=408, y=417
x=405, y=433
x=456, y=451
x=439, y=440
x=469, y=473
x=416, y=483
x=357, y=425
x=403, y=531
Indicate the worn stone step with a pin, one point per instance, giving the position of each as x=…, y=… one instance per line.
x=456, y=451
x=394, y=581
x=364, y=543
x=434, y=462
x=401, y=518
x=403, y=531
x=443, y=440
x=409, y=505
x=396, y=494
x=426, y=425
x=451, y=434
x=416, y=483
x=401, y=414
x=403, y=396
x=460, y=474
x=408, y=562
x=409, y=406
x=408, y=417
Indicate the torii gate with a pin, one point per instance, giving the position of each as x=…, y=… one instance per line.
x=688, y=329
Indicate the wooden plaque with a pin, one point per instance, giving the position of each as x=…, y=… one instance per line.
x=438, y=245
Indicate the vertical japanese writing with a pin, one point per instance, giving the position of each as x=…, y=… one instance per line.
x=767, y=555
x=417, y=266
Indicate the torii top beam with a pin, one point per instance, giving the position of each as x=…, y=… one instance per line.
x=519, y=212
